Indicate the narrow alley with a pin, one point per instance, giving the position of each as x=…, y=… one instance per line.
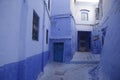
x=80, y=68
x=59, y=39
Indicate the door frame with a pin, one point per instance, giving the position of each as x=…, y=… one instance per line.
x=54, y=51
x=78, y=39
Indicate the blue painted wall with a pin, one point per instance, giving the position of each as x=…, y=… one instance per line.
x=61, y=26
x=74, y=36
x=27, y=69
x=63, y=30
x=60, y=7
x=97, y=43
x=109, y=65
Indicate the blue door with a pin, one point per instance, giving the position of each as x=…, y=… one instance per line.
x=58, y=52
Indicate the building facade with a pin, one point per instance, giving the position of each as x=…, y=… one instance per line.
x=62, y=38
x=109, y=65
x=25, y=28
x=85, y=17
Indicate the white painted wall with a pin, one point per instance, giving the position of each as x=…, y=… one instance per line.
x=83, y=5
x=75, y=9
x=72, y=7
x=47, y=26
x=34, y=47
x=84, y=28
x=16, y=18
x=9, y=30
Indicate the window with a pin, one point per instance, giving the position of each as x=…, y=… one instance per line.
x=35, y=30
x=84, y=15
x=97, y=13
x=47, y=36
x=104, y=34
x=49, y=5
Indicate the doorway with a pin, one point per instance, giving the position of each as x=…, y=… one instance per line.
x=58, y=51
x=84, y=41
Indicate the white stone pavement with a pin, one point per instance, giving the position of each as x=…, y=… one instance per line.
x=72, y=71
x=85, y=57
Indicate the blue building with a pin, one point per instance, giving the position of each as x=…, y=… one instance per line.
x=25, y=28
x=62, y=38
x=28, y=30
x=85, y=15
x=109, y=26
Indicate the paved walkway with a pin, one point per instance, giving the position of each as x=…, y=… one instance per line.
x=85, y=57
x=72, y=71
